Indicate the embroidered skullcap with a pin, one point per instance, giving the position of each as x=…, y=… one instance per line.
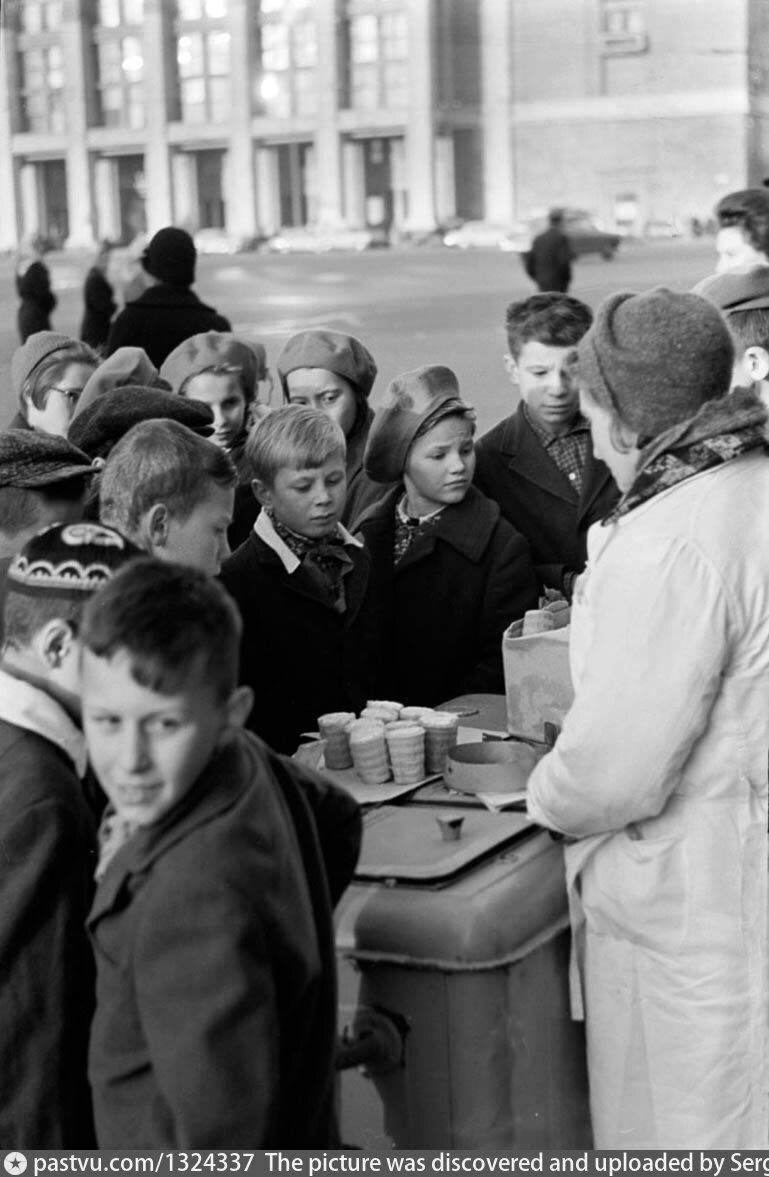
x=69, y=560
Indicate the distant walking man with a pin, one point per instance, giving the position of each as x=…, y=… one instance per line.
x=548, y=262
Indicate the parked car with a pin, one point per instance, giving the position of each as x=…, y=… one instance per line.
x=305, y=239
x=220, y=241
x=476, y=235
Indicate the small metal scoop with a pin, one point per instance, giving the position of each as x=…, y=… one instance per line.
x=451, y=826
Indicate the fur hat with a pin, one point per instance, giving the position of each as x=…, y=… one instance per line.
x=414, y=402
x=30, y=459
x=69, y=560
x=127, y=365
x=342, y=354
x=743, y=289
x=656, y=357
x=38, y=347
x=210, y=349
x=109, y=417
x=170, y=257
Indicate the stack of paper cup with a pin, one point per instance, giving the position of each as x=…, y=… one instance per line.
x=441, y=728
x=406, y=745
x=369, y=751
x=333, y=729
x=387, y=712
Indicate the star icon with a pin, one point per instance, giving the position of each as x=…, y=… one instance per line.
x=15, y=1162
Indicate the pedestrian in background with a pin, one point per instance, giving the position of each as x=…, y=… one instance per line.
x=548, y=262
x=33, y=286
x=99, y=299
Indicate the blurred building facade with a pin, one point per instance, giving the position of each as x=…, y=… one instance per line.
x=120, y=116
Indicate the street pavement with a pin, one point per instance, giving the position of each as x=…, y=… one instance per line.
x=410, y=307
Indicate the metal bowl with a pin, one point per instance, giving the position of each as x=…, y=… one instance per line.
x=496, y=766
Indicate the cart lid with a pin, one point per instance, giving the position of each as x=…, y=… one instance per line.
x=407, y=843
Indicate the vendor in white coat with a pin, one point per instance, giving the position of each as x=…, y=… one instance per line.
x=659, y=777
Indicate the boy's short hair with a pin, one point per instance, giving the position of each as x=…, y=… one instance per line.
x=169, y=619
x=22, y=507
x=295, y=436
x=56, y=573
x=747, y=210
x=749, y=328
x=558, y=320
x=160, y=462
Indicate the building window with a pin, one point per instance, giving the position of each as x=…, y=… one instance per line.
x=120, y=63
x=41, y=16
x=623, y=27
x=378, y=60
x=287, y=53
x=43, y=90
x=203, y=61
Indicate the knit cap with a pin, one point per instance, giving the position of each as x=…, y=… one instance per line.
x=656, y=357
x=30, y=459
x=210, y=349
x=413, y=403
x=69, y=561
x=170, y=257
x=342, y=354
x=742, y=289
x=38, y=347
x=127, y=365
x=107, y=419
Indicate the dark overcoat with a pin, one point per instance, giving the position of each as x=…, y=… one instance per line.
x=548, y=262
x=215, y=1025
x=47, y=860
x=100, y=306
x=37, y=300
x=449, y=599
x=162, y=318
x=514, y=470
x=299, y=656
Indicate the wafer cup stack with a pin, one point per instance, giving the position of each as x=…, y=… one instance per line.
x=406, y=745
x=414, y=714
x=369, y=751
x=441, y=729
x=384, y=711
x=333, y=730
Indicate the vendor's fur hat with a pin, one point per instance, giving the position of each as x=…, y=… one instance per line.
x=343, y=354
x=414, y=402
x=209, y=350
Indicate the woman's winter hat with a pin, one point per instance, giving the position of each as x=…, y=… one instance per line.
x=736, y=290
x=38, y=347
x=69, y=561
x=127, y=365
x=413, y=403
x=342, y=354
x=170, y=257
x=107, y=419
x=32, y=460
x=209, y=350
x=656, y=357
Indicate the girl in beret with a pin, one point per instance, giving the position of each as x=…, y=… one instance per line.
x=455, y=574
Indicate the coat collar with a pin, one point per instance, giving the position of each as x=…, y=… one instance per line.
x=230, y=772
x=520, y=446
x=466, y=526
x=161, y=295
x=355, y=583
x=29, y=707
x=265, y=530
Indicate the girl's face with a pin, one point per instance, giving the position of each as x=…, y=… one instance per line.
x=60, y=400
x=603, y=426
x=317, y=388
x=223, y=393
x=440, y=466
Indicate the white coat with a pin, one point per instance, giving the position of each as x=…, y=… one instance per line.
x=660, y=773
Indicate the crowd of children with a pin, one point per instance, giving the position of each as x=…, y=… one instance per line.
x=191, y=576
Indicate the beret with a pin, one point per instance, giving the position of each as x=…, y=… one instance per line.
x=38, y=347
x=342, y=354
x=209, y=349
x=127, y=365
x=30, y=459
x=742, y=289
x=414, y=402
x=109, y=417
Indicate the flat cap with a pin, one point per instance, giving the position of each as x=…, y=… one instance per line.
x=107, y=419
x=30, y=459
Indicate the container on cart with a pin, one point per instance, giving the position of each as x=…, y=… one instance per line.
x=453, y=959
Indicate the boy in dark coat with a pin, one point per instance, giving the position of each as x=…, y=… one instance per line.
x=99, y=302
x=216, y=995
x=311, y=624
x=169, y=311
x=538, y=464
x=453, y=573
x=47, y=840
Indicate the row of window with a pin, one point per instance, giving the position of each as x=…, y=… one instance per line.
x=285, y=80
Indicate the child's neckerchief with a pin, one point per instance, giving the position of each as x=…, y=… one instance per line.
x=409, y=527
x=325, y=560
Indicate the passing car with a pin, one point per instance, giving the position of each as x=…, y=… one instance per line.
x=585, y=236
